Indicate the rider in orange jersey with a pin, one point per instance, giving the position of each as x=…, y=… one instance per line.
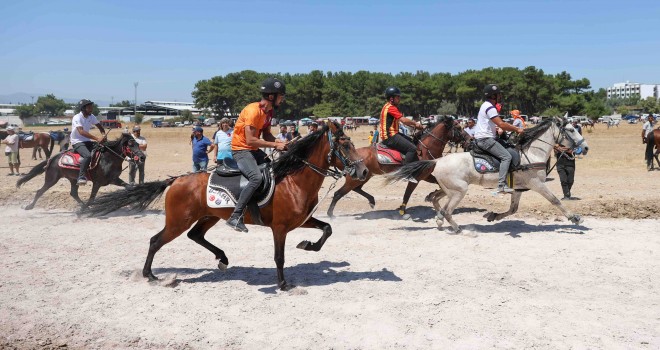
x=390, y=117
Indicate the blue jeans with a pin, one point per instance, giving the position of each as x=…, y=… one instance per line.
x=200, y=166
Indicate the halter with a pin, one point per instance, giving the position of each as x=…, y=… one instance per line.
x=335, y=150
x=126, y=153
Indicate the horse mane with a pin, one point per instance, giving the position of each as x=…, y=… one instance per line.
x=117, y=141
x=293, y=159
x=531, y=134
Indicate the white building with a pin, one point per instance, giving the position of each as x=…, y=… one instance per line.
x=628, y=89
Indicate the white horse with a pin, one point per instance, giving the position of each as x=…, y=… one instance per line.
x=454, y=172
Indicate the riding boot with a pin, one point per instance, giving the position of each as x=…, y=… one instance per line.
x=236, y=222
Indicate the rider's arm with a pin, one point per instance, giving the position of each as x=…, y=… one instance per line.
x=268, y=136
x=410, y=122
x=100, y=127
x=505, y=126
x=253, y=141
x=86, y=134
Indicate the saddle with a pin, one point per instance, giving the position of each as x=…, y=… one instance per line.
x=226, y=183
x=71, y=160
x=26, y=136
x=485, y=162
x=57, y=136
x=388, y=156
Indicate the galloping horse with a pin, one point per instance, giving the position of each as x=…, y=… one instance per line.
x=588, y=123
x=298, y=176
x=107, y=159
x=430, y=145
x=40, y=140
x=653, y=140
x=455, y=172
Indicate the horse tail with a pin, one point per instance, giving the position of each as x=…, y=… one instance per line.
x=37, y=170
x=650, y=143
x=52, y=144
x=138, y=198
x=415, y=170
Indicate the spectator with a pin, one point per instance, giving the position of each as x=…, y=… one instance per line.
x=11, y=151
x=293, y=131
x=647, y=128
x=565, y=169
x=371, y=137
x=470, y=128
x=200, y=144
x=132, y=166
x=518, y=121
x=313, y=127
x=222, y=142
x=283, y=135
x=375, y=139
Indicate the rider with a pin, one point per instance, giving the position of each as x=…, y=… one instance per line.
x=390, y=117
x=488, y=120
x=81, y=139
x=254, y=121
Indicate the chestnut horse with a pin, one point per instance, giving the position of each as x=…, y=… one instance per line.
x=299, y=174
x=430, y=145
x=653, y=140
x=40, y=140
x=106, y=172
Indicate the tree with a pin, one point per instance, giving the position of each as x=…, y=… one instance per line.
x=447, y=108
x=25, y=111
x=186, y=114
x=50, y=105
x=124, y=103
x=139, y=118
x=649, y=105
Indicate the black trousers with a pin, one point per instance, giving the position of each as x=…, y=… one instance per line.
x=404, y=145
x=648, y=154
x=566, y=171
x=85, y=150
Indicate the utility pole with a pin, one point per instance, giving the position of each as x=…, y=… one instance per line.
x=135, y=105
x=112, y=100
x=32, y=100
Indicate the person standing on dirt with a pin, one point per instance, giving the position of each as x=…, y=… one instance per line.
x=565, y=169
x=132, y=167
x=253, y=122
x=11, y=151
x=222, y=142
x=81, y=139
x=647, y=129
x=200, y=148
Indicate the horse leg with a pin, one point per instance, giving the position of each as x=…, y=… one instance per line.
x=543, y=190
x=454, y=198
x=50, y=181
x=315, y=223
x=513, y=208
x=119, y=182
x=435, y=197
x=197, y=234
x=349, y=185
x=370, y=198
x=279, y=236
x=173, y=229
x=406, y=196
x=74, y=191
x=34, y=153
x=95, y=190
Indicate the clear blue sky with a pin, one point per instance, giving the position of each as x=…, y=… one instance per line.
x=97, y=49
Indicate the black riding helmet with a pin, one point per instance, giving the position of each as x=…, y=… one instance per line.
x=391, y=92
x=491, y=91
x=84, y=102
x=272, y=86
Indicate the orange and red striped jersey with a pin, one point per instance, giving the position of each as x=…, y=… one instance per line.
x=389, y=121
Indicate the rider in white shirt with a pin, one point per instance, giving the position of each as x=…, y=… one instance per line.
x=485, y=134
x=81, y=139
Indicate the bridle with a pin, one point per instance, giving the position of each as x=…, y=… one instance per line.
x=444, y=139
x=336, y=150
x=126, y=152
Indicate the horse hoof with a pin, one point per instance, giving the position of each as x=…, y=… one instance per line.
x=150, y=277
x=439, y=222
x=29, y=207
x=285, y=287
x=405, y=217
x=577, y=220
x=372, y=205
x=490, y=216
x=222, y=266
x=305, y=245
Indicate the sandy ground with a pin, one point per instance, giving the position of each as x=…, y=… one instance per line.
x=531, y=280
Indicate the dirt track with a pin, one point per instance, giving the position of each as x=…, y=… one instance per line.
x=532, y=280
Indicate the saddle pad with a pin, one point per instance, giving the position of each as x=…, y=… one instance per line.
x=69, y=160
x=224, y=191
x=388, y=155
x=486, y=163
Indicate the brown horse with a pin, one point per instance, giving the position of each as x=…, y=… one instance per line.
x=653, y=140
x=299, y=174
x=40, y=140
x=430, y=145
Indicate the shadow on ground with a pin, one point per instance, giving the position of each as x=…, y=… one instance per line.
x=310, y=274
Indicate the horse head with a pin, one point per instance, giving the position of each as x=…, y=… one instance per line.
x=343, y=148
x=569, y=137
x=129, y=148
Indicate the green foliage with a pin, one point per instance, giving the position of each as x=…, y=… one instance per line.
x=187, y=115
x=139, y=118
x=345, y=94
x=650, y=105
x=25, y=111
x=50, y=105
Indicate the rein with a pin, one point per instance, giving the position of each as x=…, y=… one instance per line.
x=429, y=133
